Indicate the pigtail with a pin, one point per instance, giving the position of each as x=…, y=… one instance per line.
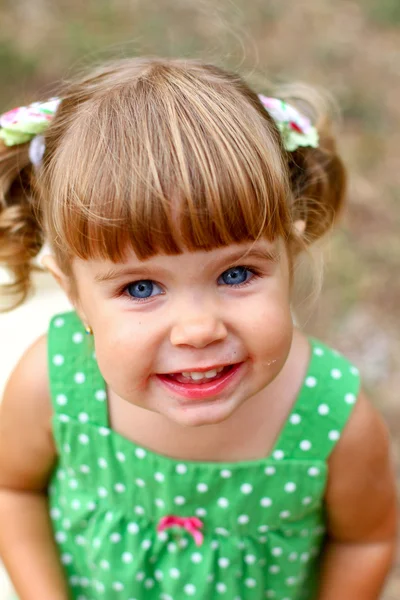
x=317, y=175
x=20, y=232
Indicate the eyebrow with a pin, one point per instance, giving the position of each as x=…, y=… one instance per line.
x=260, y=253
x=234, y=258
x=117, y=272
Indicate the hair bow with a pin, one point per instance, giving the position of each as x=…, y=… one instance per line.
x=21, y=124
x=296, y=130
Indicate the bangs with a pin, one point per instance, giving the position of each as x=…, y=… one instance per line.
x=161, y=163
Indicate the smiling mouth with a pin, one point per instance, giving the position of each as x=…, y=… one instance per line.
x=203, y=385
x=199, y=377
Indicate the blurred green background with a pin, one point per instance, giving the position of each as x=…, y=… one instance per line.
x=350, y=48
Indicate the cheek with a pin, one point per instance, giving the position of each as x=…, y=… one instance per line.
x=270, y=331
x=275, y=326
x=122, y=358
x=118, y=334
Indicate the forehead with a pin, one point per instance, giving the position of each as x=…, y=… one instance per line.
x=102, y=270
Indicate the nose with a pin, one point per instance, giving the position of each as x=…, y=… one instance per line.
x=197, y=331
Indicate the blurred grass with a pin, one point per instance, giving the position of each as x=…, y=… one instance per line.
x=384, y=12
x=16, y=67
x=15, y=64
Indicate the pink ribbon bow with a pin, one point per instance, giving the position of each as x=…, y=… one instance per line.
x=191, y=524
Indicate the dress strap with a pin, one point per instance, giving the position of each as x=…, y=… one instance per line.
x=323, y=407
x=77, y=386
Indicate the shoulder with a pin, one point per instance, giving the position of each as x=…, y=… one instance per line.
x=365, y=439
x=27, y=450
x=361, y=491
x=330, y=381
x=28, y=384
x=335, y=383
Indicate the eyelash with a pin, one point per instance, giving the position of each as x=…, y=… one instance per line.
x=256, y=274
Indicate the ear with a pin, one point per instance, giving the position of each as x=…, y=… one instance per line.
x=49, y=263
x=297, y=243
x=299, y=227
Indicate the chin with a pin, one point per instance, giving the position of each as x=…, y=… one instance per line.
x=199, y=414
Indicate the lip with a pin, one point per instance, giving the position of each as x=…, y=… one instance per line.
x=196, y=369
x=203, y=391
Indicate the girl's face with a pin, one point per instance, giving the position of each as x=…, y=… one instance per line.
x=191, y=336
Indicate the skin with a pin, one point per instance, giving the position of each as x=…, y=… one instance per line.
x=195, y=320
x=190, y=323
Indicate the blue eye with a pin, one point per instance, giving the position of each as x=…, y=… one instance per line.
x=145, y=288
x=235, y=276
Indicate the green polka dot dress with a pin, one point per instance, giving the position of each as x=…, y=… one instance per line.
x=131, y=524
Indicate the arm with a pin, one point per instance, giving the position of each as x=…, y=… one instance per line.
x=361, y=511
x=27, y=456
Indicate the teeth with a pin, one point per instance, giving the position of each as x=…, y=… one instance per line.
x=211, y=373
x=197, y=375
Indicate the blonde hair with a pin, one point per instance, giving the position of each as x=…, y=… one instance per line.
x=160, y=155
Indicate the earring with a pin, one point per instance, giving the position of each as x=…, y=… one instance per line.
x=88, y=330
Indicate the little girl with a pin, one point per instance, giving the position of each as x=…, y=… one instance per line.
x=193, y=443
